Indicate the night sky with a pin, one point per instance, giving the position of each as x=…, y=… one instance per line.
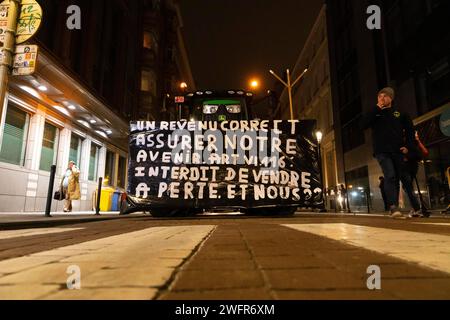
x=231, y=41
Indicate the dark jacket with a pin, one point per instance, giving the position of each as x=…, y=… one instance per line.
x=391, y=130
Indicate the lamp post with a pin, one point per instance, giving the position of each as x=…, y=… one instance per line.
x=289, y=85
x=319, y=137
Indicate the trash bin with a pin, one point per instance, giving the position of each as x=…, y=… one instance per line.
x=116, y=199
x=106, y=199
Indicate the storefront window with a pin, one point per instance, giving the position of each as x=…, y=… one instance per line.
x=49, y=147
x=122, y=172
x=75, y=148
x=109, y=167
x=93, y=162
x=14, y=136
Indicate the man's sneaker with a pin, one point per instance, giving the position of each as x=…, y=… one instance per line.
x=396, y=215
x=415, y=214
x=425, y=215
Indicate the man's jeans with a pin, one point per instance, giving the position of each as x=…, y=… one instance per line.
x=394, y=170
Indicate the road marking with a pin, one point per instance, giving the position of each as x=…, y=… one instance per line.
x=429, y=250
x=10, y=234
x=143, y=259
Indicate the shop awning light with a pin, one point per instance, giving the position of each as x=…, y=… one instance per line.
x=108, y=132
x=84, y=123
x=71, y=107
x=62, y=110
x=31, y=91
x=42, y=88
x=101, y=133
x=93, y=121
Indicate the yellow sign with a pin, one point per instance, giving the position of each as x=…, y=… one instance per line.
x=28, y=23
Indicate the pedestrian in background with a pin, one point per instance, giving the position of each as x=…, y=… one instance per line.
x=383, y=194
x=392, y=131
x=71, y=186
x=345, y=204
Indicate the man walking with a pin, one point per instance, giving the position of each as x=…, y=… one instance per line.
x=392, y=133
x=383, y=194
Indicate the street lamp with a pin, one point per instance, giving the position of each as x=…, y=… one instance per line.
x=183, y=86
x=319, y=137
x=254, y=84
x=289, y=85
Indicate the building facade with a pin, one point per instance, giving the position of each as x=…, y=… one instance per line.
x=76, y=106
x=165, y=63
x=411, y=53
x=312, y=96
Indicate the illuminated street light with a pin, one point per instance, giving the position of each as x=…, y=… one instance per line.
x=319, y=136
x=183, y=85
x=254, y=84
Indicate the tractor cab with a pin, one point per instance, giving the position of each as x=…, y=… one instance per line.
x=216, y=106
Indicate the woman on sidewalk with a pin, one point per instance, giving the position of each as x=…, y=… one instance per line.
x=71, y=186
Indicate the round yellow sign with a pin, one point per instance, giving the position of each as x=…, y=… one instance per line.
x=29, y=21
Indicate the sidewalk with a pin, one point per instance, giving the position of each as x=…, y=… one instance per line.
x=14, y=220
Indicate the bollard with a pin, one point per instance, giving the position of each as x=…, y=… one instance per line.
x=367, y=200
x=99, y=194
x=50, y=191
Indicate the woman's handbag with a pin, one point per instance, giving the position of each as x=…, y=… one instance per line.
x=59, y=195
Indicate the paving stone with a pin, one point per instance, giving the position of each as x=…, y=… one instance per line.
x=219, y=279
x=418, y=289
x=25, y=291
x=104, y=294
x=333, y=295
x=214, y=264
x=230, y=294
x=217, y=255
x=296, y=262
x=313, y=279
x=52, y=273
x=23, y=263
x=128, y=277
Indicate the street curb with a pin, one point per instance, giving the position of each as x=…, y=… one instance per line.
x=32, y=224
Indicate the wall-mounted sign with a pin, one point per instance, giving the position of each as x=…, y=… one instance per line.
x=25, y=60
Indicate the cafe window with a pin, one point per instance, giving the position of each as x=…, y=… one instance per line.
x=49, y=147
x=109, y=167
x=14, y=136
x=122, y=172
x=93, y=162
x=75, y=149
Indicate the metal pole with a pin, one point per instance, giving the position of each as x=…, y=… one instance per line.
x=50, y=191
x=99, y=195
x=289, y=88
x=324, y=199
x=367, y=200
x=8, y=52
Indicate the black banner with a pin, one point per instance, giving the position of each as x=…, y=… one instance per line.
x=236, y=164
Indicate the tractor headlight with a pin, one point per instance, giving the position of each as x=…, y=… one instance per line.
x=234, y=108
x=210, y=109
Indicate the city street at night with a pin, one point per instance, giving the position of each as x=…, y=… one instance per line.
x=308, y=256
x=231, y=159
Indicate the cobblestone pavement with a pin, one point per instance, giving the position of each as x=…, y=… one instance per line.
x=308, y=256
